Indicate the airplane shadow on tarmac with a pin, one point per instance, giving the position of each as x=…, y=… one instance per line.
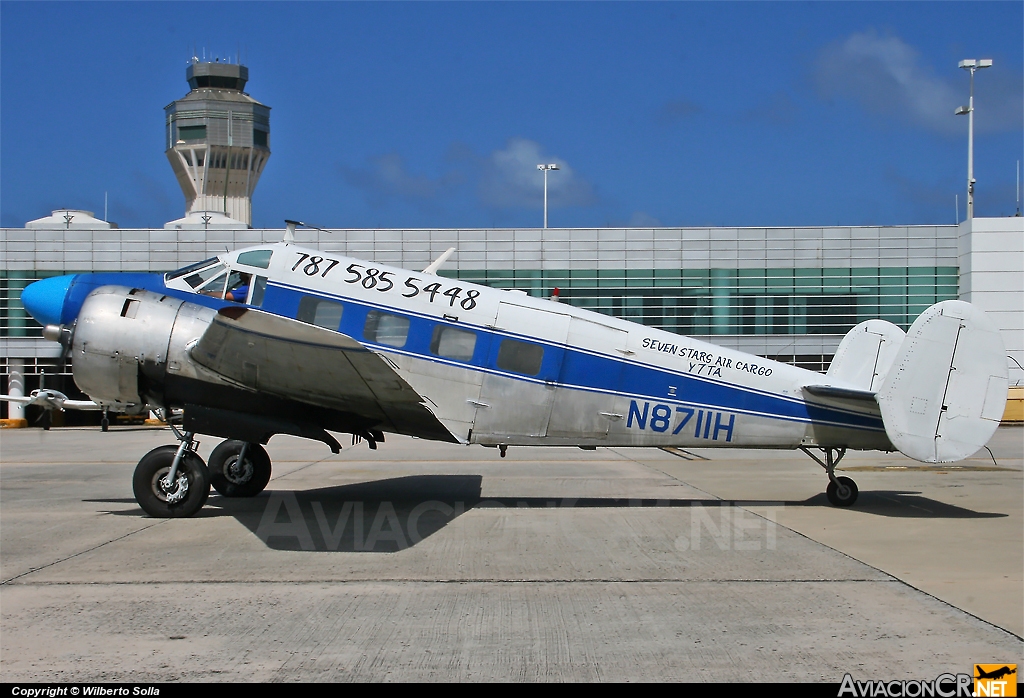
x=397, y=513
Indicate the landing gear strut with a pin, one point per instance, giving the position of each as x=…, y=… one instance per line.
x=239, y=469
x=841, y=491
x=172, y=481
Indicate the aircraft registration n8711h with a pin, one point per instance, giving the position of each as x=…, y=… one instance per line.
x=282, y=339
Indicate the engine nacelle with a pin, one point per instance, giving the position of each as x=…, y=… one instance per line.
x=120, y=330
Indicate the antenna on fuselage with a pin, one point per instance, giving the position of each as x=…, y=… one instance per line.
x=436, y=264
x=289, y=230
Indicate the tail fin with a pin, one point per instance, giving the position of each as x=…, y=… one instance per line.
x=943, y=397
x=866, y=354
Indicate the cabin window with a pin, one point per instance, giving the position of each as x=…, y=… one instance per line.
x=453, y=343
x=520, y=357
x=387, y=329
x=316, y=311
x=256, y=258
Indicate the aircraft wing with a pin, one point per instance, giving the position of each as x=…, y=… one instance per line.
x=16, y=398
x=310, y=364
x=81, y=405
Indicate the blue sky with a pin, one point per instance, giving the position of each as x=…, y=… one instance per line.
x=436, y=114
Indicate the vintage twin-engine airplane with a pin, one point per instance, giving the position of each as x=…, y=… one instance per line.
x=282, y=339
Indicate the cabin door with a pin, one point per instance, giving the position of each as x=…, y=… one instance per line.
x=586, y=403
x=516, y=398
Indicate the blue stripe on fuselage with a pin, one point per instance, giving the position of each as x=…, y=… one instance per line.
x=580, y=369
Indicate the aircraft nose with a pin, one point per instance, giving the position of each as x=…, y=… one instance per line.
x=44, y=300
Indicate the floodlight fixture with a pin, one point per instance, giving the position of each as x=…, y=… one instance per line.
x=971, y=64
x=546, y=168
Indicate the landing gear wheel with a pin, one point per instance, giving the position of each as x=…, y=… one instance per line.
x=184, y=498
x=234, y=477
x=843, y=495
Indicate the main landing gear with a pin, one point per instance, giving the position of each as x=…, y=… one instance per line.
x=239, y=469
x=841, y=491
x=174, y=482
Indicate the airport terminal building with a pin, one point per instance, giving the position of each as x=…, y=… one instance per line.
x=789, y=294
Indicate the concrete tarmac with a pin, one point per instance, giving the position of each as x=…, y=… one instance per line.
x=424, y=561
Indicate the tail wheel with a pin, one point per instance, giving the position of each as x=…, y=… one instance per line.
x=182, y=498
x=844, y=494
x=233, y=476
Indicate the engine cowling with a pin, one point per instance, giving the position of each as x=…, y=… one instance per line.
x=121, y=330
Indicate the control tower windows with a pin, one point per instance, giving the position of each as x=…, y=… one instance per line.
x=259, y=138
x=192, y=133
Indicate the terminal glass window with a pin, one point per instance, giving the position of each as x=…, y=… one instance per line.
x=387, y=329
x=316, y=311
x=520, y=357
x=453, y=343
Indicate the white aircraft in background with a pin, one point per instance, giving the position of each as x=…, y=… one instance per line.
x=51, y=400
x=283, y=339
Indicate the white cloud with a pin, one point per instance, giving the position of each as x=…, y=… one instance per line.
x=886, y=76
x=641, y=219
x=510, y=178
x=385, y=177
x=677, y=110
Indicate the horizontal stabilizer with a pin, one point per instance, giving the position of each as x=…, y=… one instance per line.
x=845, y=393
x=944, y=396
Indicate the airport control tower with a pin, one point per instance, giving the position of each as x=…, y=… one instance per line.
x=218, y=140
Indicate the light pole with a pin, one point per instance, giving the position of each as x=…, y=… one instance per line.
x=545, y=168
x=972, y=65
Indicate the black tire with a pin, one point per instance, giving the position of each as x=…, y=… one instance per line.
x=233, y=481
x=841, y=498
x=153, y=498
x=104, y=424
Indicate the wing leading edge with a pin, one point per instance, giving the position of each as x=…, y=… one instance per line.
x=310, y=364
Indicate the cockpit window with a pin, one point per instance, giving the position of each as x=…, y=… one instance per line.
x=256, y=258
x=238, y=286
x=201, y=277
x=191, y=268
x=214, y=287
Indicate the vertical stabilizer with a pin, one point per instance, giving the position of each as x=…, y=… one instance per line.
x=945, y=393
x=866, y=354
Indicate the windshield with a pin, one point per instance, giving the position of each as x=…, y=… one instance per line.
x=191, y=268
x=201, y=277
